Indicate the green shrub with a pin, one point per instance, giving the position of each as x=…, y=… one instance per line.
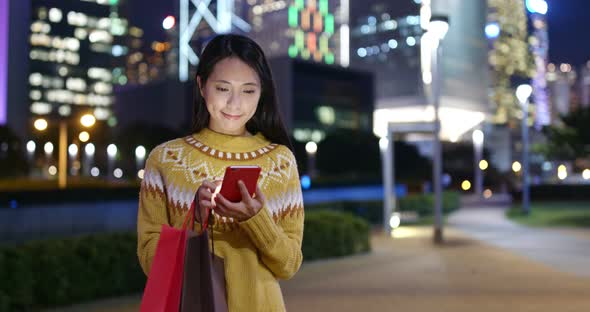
x=332, y=234
x=63, y=271
x=57, y=272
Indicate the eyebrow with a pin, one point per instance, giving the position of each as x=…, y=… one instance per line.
x=245, y=84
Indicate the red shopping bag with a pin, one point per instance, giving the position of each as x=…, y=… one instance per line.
x=164, y=284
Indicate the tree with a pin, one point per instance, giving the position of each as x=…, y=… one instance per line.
x=356, y=154
x=510, y=56
x=12, y=155
x=571, y=139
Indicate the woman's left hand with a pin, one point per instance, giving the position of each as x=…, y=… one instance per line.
x=243, y=210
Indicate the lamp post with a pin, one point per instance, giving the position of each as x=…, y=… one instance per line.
x=139, y=157
x=523, y=92
x=386, y=147
x=311, y=148
x=478, y=139
x=111, y=153
x=31, y=147
x=87, y=120
x=73, y=151
x=89, y=150
x=438, y=28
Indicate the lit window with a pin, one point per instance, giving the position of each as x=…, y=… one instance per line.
x=35, y=95
x=40, y=108
x=76, y=84
x=100, y=74
x=102, y=113
x=104, y=23
x=35, y=79
x=55, y=15
x=103, y=88
x=72, y=44
x=100, y=36
x=64, y=110
x=80, y=33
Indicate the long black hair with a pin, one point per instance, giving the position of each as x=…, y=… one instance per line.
x=266, y=119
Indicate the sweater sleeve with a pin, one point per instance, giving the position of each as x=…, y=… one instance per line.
x=152, y=212
x=279, y=242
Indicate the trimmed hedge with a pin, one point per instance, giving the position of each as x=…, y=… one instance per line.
x=372, y=211
x=333, y=234
x=59, y=272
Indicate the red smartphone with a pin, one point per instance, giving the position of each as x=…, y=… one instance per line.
x=229, y=187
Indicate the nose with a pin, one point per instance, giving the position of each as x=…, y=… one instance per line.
x=234, y=101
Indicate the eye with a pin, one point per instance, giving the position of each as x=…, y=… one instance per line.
x=221, y=89
x=249, y=91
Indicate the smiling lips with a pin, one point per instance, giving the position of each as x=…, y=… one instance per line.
x=231, y=117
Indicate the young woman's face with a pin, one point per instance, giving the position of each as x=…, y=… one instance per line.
x=231, y=94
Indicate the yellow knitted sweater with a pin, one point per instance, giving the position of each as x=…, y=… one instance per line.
x=256, y=252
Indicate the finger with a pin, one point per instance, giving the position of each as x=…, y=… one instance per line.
x=223, y=211
x=220, y=200
x=205, y=204
x=246, y=198
x=210, y=185
x=228, y=205
x=205, y=195
x=259, y=195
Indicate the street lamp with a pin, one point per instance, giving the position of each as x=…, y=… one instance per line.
x=478, y=139
x=168, y=22
x=523, y=92
x=73, y=152
x=48, y=148
x=311, y=148
x=87, y=120
x=386, y=148
x=112, y=153
x=31, y=147
x=89, y=150
x=139, y=157
x=437, y=28
x=40, y=124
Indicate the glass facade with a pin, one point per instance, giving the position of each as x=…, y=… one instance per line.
x=77, y=53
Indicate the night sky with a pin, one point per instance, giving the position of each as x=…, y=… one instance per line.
x=569, y=26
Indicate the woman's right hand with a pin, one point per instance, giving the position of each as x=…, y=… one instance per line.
x=205, y=194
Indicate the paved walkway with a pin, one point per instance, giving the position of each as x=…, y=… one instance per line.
x=485, y=264
x=567, y=250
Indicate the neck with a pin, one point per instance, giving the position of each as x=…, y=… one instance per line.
x=239, y=132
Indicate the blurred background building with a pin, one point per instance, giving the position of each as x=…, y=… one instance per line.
x=387, y=39
x=76, y=56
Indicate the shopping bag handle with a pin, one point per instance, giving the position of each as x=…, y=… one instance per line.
x=192, y=215
x=204, y=225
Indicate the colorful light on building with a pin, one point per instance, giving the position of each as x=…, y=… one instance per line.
x=314, y=27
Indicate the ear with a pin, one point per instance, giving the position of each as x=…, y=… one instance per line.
x=200, y=86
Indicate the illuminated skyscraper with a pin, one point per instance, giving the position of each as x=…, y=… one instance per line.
x=540, y=47
x=76, y=55
x=560, y=82
x=387, y=39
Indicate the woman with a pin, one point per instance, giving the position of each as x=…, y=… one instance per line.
x=236, y=122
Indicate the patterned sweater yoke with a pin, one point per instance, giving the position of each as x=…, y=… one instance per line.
x=257, y=252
